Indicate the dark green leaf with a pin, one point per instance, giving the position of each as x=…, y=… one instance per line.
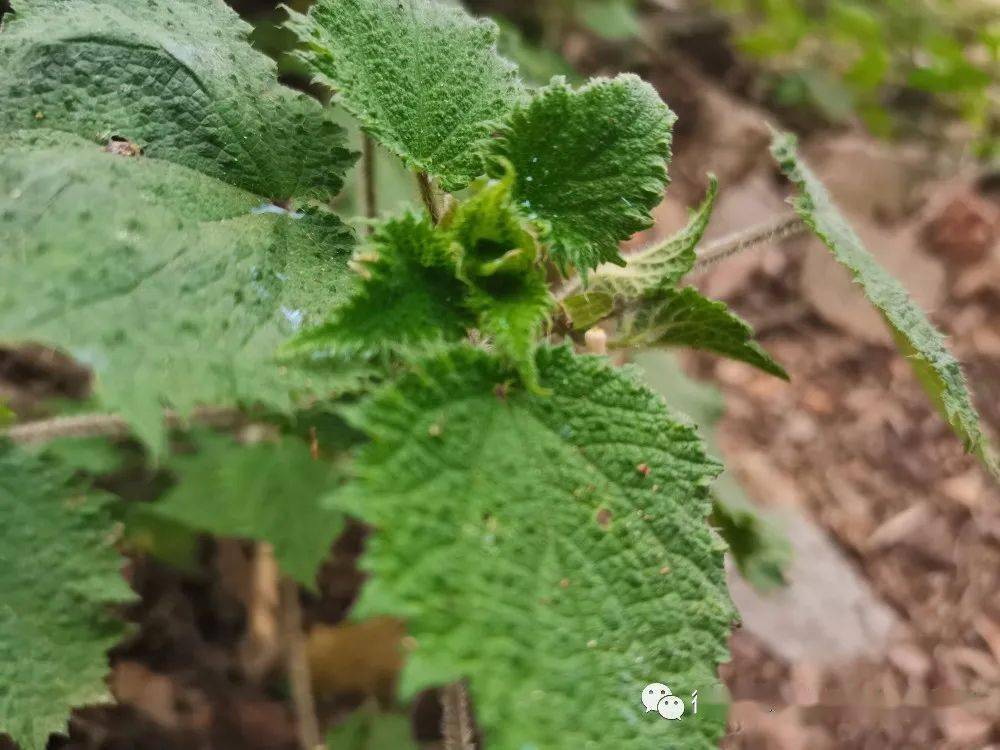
x=407, y=294
x=552, y=550
x=59, y=574
x=422, y=76
x=682, y=317
x=174, y=287
x=591, y=163
x=179, y=79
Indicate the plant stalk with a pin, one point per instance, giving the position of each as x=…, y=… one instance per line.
x=109, y=425
x=368, y=198
x=785, y=226
x=299, y=677
x=456, y=721
x=775, y=230
x=428, y=194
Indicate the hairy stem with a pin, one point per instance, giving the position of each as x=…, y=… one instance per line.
x=299, y=677
x=456, y=721
x=775, y=230
x=368, y=199
x=785, y=226
x=109, y=425
x=428, y=194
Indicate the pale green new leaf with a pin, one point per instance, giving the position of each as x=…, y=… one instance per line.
x=268, y=492
x=174, y=287
x=590, y=162
x=682, y=317
x=938, y=371
x=407, y=294
x=422, y=76
x=176, y=77
x=662, y=264
x=511, y=309
x=552, y=550
x=499, y=260
x=59, y=574
x=587, y=308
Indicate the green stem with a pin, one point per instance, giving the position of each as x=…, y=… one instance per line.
x=368, y=197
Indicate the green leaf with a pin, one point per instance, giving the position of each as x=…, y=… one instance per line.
x=7, y=415
x=552, y=550
x=365, y=730
x=499, y=261
x=682, y=317
x=590, y=163
x=171, y=542
x=171, y=274
x=511, y=309
x=59, y=574
x=920, y=342
x=661, y=265
x=614, y=20
x=587, y=308
x=174, y=287
x=536, y=64
x=407, y=294
x=84, y=454
x=177, y=78
x=268, y=492
x=423, y=77
x=761, y=550
x=480, y=268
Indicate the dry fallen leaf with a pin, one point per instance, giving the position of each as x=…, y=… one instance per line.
x=360, y=658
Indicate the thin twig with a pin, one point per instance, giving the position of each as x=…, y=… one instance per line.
x=109, y=425
x=368, y=198
x=775, y=230
x=298, y=669
x=456, y=721
x=429, y=196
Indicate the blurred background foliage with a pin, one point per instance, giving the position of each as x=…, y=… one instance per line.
x=904, y=67
x=885, y=61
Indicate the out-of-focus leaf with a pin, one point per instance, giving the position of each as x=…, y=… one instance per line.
x=60, y=576
x=367, y=730
x=268, y=492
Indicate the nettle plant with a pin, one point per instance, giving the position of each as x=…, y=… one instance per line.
x=540, y=517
